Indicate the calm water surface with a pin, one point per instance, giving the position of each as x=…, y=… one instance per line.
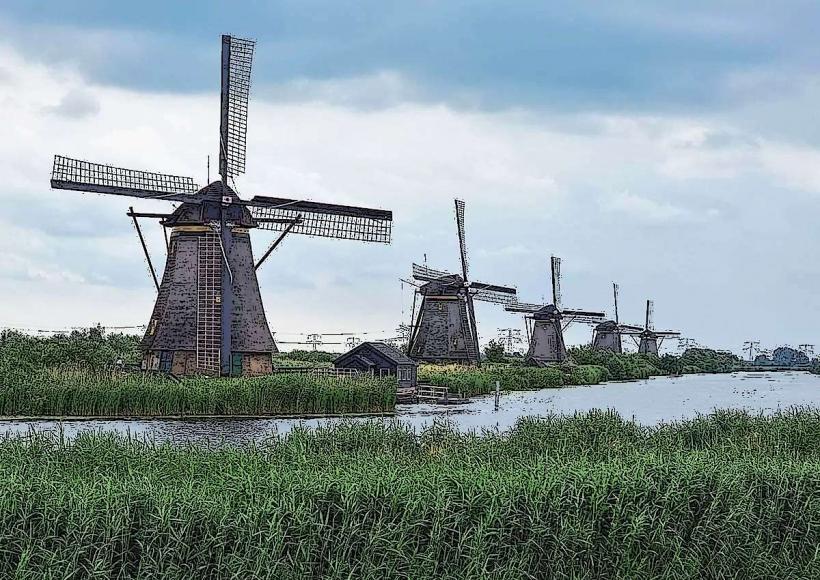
x=649, y=402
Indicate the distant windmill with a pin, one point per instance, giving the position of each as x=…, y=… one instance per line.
x=208, y=317
x=651, y=339
x=445, y=328
x=546, y=323
x=607, y=335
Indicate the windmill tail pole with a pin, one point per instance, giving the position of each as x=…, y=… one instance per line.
x=144, y=247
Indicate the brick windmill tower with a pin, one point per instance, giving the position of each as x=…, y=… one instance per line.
x=208, y=317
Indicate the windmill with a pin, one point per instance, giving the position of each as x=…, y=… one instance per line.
x=546, y=323
x=607, y=335
x=445, y=328
x=208, y=317
x=651, y=339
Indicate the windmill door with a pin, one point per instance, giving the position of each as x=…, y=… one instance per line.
x=166, y=358
x=236, y=364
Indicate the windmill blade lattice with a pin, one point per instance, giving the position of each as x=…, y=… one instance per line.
x=78, y=175
x=462, y=242
x=523, y=307
x=493, y=293
x=599, y=315
x=630, y=329
x=426, y=274
x=237, y=59
x=325, y=220
x=555, y=267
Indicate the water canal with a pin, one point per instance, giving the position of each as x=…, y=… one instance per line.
x=649, y=402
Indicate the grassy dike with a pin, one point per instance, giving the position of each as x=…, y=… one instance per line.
x=582, y=497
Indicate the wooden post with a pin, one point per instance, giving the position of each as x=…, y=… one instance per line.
x=497, y=394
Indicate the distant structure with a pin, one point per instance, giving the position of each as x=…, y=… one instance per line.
x=208, y=317
x=751, y=346
x=510, y=338
x=651, y=339
x=783, y=356
x=445, y=329
x=607, y=335
x=685, y=344
x=380, y=360
x=545, y=323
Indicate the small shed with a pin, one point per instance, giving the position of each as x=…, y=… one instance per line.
x=380, y=360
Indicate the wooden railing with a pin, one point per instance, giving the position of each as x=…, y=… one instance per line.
x=438, y=394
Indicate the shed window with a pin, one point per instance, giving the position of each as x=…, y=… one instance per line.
x=404, y=374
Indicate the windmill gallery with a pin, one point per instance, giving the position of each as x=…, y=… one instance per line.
x=208, y=317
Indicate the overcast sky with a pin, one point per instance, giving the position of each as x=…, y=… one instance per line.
x=673, y=150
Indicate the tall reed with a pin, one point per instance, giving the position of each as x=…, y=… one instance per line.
x=83, y=392
x=471, y=381
x=582, y=497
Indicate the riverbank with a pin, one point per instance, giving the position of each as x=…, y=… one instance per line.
x=588, y=496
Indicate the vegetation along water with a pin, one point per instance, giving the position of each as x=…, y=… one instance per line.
x=85, y=374
x=587, y=496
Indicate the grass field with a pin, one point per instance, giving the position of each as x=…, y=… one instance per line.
x=584, y=497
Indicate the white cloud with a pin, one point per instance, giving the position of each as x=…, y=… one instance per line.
x=646, y=209
x=76, y=104
x=797, y=167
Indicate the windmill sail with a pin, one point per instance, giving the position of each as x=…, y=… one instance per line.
x=237, y=58
x=555, y=267
x=493, y=293
x=426, y=274
x=78, y=175
x=323, y=219
x=462, y=242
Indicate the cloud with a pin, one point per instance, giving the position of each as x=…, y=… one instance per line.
x=646, y=209
x=382, y=89
x=76, y=104
x=797, y=167
x=560, y=56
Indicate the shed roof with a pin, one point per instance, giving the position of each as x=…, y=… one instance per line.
x=382, y=348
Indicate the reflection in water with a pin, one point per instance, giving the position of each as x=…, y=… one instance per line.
x=648, y=402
